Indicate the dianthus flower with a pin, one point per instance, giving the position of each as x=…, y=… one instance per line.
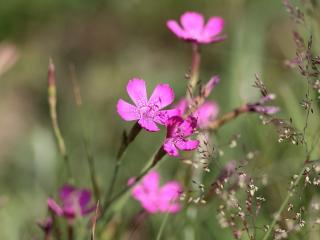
x=178, y=131
x=193, y=28
x=156, y=199
x=147, y=112
x=206, y=113
x=74, y=202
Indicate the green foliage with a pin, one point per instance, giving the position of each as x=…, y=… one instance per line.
x=109, y=42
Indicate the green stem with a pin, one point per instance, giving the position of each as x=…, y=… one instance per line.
x=55, y=226
x=163, y=224
x=52, y=100
x=194, y=74
x=90, y=159
x=284, y=204
x=92, y=171
x=156, y=159
x=126, y=140
x=70, y=231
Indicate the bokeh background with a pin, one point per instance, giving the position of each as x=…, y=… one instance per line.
x=108, y=42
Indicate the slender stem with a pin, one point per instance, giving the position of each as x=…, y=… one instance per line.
x=70, y=231
x=90, y=159
x=156, y=159
x=94, y=221
x=47, y=236
x=137, y=222
x=194, y=74
x=217, y=123
x=284, y=204
x=52, y=100
x=163, y=224
x=55, y=226
x=126, y=140
x=92, y=171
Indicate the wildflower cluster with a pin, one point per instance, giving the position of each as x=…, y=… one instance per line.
x=190, y=123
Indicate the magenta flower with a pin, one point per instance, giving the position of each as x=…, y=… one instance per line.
x=193, y=28
x=156, y=199
x=206, y=113
x=75, y=202
x=147, y=112
x=178, y=130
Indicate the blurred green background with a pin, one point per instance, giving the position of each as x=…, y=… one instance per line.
x=110, y=42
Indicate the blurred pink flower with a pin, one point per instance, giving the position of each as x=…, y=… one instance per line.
x=75, y=202
x=131, y=181
x=210, y=85
x=260, y=106
x=147, y=112
x=178, y=130
x=156, y=199
x=193, y=28
x=207, y=112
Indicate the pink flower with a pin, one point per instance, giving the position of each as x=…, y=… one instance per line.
x=147, y=112
x=178, y=130
x=156, y=199
x=75, y=202
x=193, y=28
x=210, y=85
x=260, y=106
x=206, y=113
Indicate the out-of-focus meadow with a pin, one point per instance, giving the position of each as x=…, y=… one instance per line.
x=107, y=43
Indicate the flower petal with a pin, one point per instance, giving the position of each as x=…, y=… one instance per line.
x=168, y=194
x=84, y=198
x=54, y=207
x=162, y=96
x=172, y=125
x=170, y=148
x=188, y=126
x=268, y=110
x=187, y=145
x=210, y=85
x=213, y=27
x=213, y=39
x=147, y=189
x=192, y=23
x=139, y=193
x=150, y=206
x=137, y=91
x=163, y=115
x=131, y=181
x=176, y=29
x=87, y=210
x=65, y=192
x=151, y=181
x=182, y=106
x=172, y=208
x=70, y=212
x=148, y=124
x=206, y=113
x=170, y=191
x=127, y=111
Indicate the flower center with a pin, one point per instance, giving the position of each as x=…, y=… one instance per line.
x=148, y=111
